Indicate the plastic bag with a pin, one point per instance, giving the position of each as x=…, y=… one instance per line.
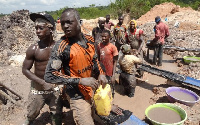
x=103, y=100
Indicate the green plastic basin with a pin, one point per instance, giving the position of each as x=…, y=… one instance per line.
x=188, y=59
x=173, y=107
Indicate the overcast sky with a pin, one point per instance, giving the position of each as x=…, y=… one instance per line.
x=8, y=6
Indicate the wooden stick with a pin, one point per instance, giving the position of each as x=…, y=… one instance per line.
x=10, y=90
x=8, y=97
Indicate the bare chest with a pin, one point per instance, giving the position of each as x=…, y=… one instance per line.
x=42, y=55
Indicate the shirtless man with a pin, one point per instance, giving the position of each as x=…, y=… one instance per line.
x=38, y=55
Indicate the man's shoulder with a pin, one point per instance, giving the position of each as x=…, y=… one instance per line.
x=110, y=22
x=89, y=37
x=30, y=52
x=112, y=45
x=33, y=47
x=95, y=28
x=140, y=31
x=161, y=24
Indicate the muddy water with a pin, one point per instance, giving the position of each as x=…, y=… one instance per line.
x=164, y=115
x=192, y=59
x=181, y=95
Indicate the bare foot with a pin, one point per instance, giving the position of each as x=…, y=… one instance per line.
x=116, y=110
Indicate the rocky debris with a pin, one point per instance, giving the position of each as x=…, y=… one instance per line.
x=17, y=32
x=16, y=60
x=192, y=114
x=192, y=70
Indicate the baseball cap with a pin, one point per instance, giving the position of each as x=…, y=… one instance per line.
x=125, y=48
x=49, y=18
x=157, y=19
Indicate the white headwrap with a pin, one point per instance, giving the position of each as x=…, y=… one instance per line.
x=43, y=21
x=101, y=19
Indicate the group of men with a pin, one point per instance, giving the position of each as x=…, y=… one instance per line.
x=79, y=63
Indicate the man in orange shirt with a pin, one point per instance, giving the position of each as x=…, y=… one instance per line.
x=108, y=55
x=73, y=62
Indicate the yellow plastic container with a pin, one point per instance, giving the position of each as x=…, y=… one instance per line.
x=103, y=100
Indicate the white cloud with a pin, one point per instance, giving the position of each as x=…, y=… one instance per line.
x=7, y=6
x=48, y=2
x=23, y=4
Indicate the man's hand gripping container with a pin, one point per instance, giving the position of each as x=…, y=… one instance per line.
x=103, y=100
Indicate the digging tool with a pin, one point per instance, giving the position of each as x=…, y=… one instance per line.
x=9, y=98
x=141, y=46
x=20, y=97
x=180, y=79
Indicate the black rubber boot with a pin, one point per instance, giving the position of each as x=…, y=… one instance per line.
x=131, y=92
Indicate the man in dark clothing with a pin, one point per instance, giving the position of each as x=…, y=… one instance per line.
x=97, y=31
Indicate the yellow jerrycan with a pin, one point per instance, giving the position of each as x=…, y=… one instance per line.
x=103, y=100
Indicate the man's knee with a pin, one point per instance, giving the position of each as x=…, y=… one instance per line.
x=82, y=112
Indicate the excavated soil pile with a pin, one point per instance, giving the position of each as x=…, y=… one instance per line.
x=163, y=10
x=17, y=32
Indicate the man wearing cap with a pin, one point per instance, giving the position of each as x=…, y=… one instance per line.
x=127, y=64
x=38, y=55
x=161, y=33
x=73, y=62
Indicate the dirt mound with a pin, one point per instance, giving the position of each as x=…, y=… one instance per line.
x=172, y=12
x=161, y=10
x=17, y=32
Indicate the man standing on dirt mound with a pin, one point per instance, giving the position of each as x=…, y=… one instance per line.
x=38, y=55
x=73, y=62
x=161, y=33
